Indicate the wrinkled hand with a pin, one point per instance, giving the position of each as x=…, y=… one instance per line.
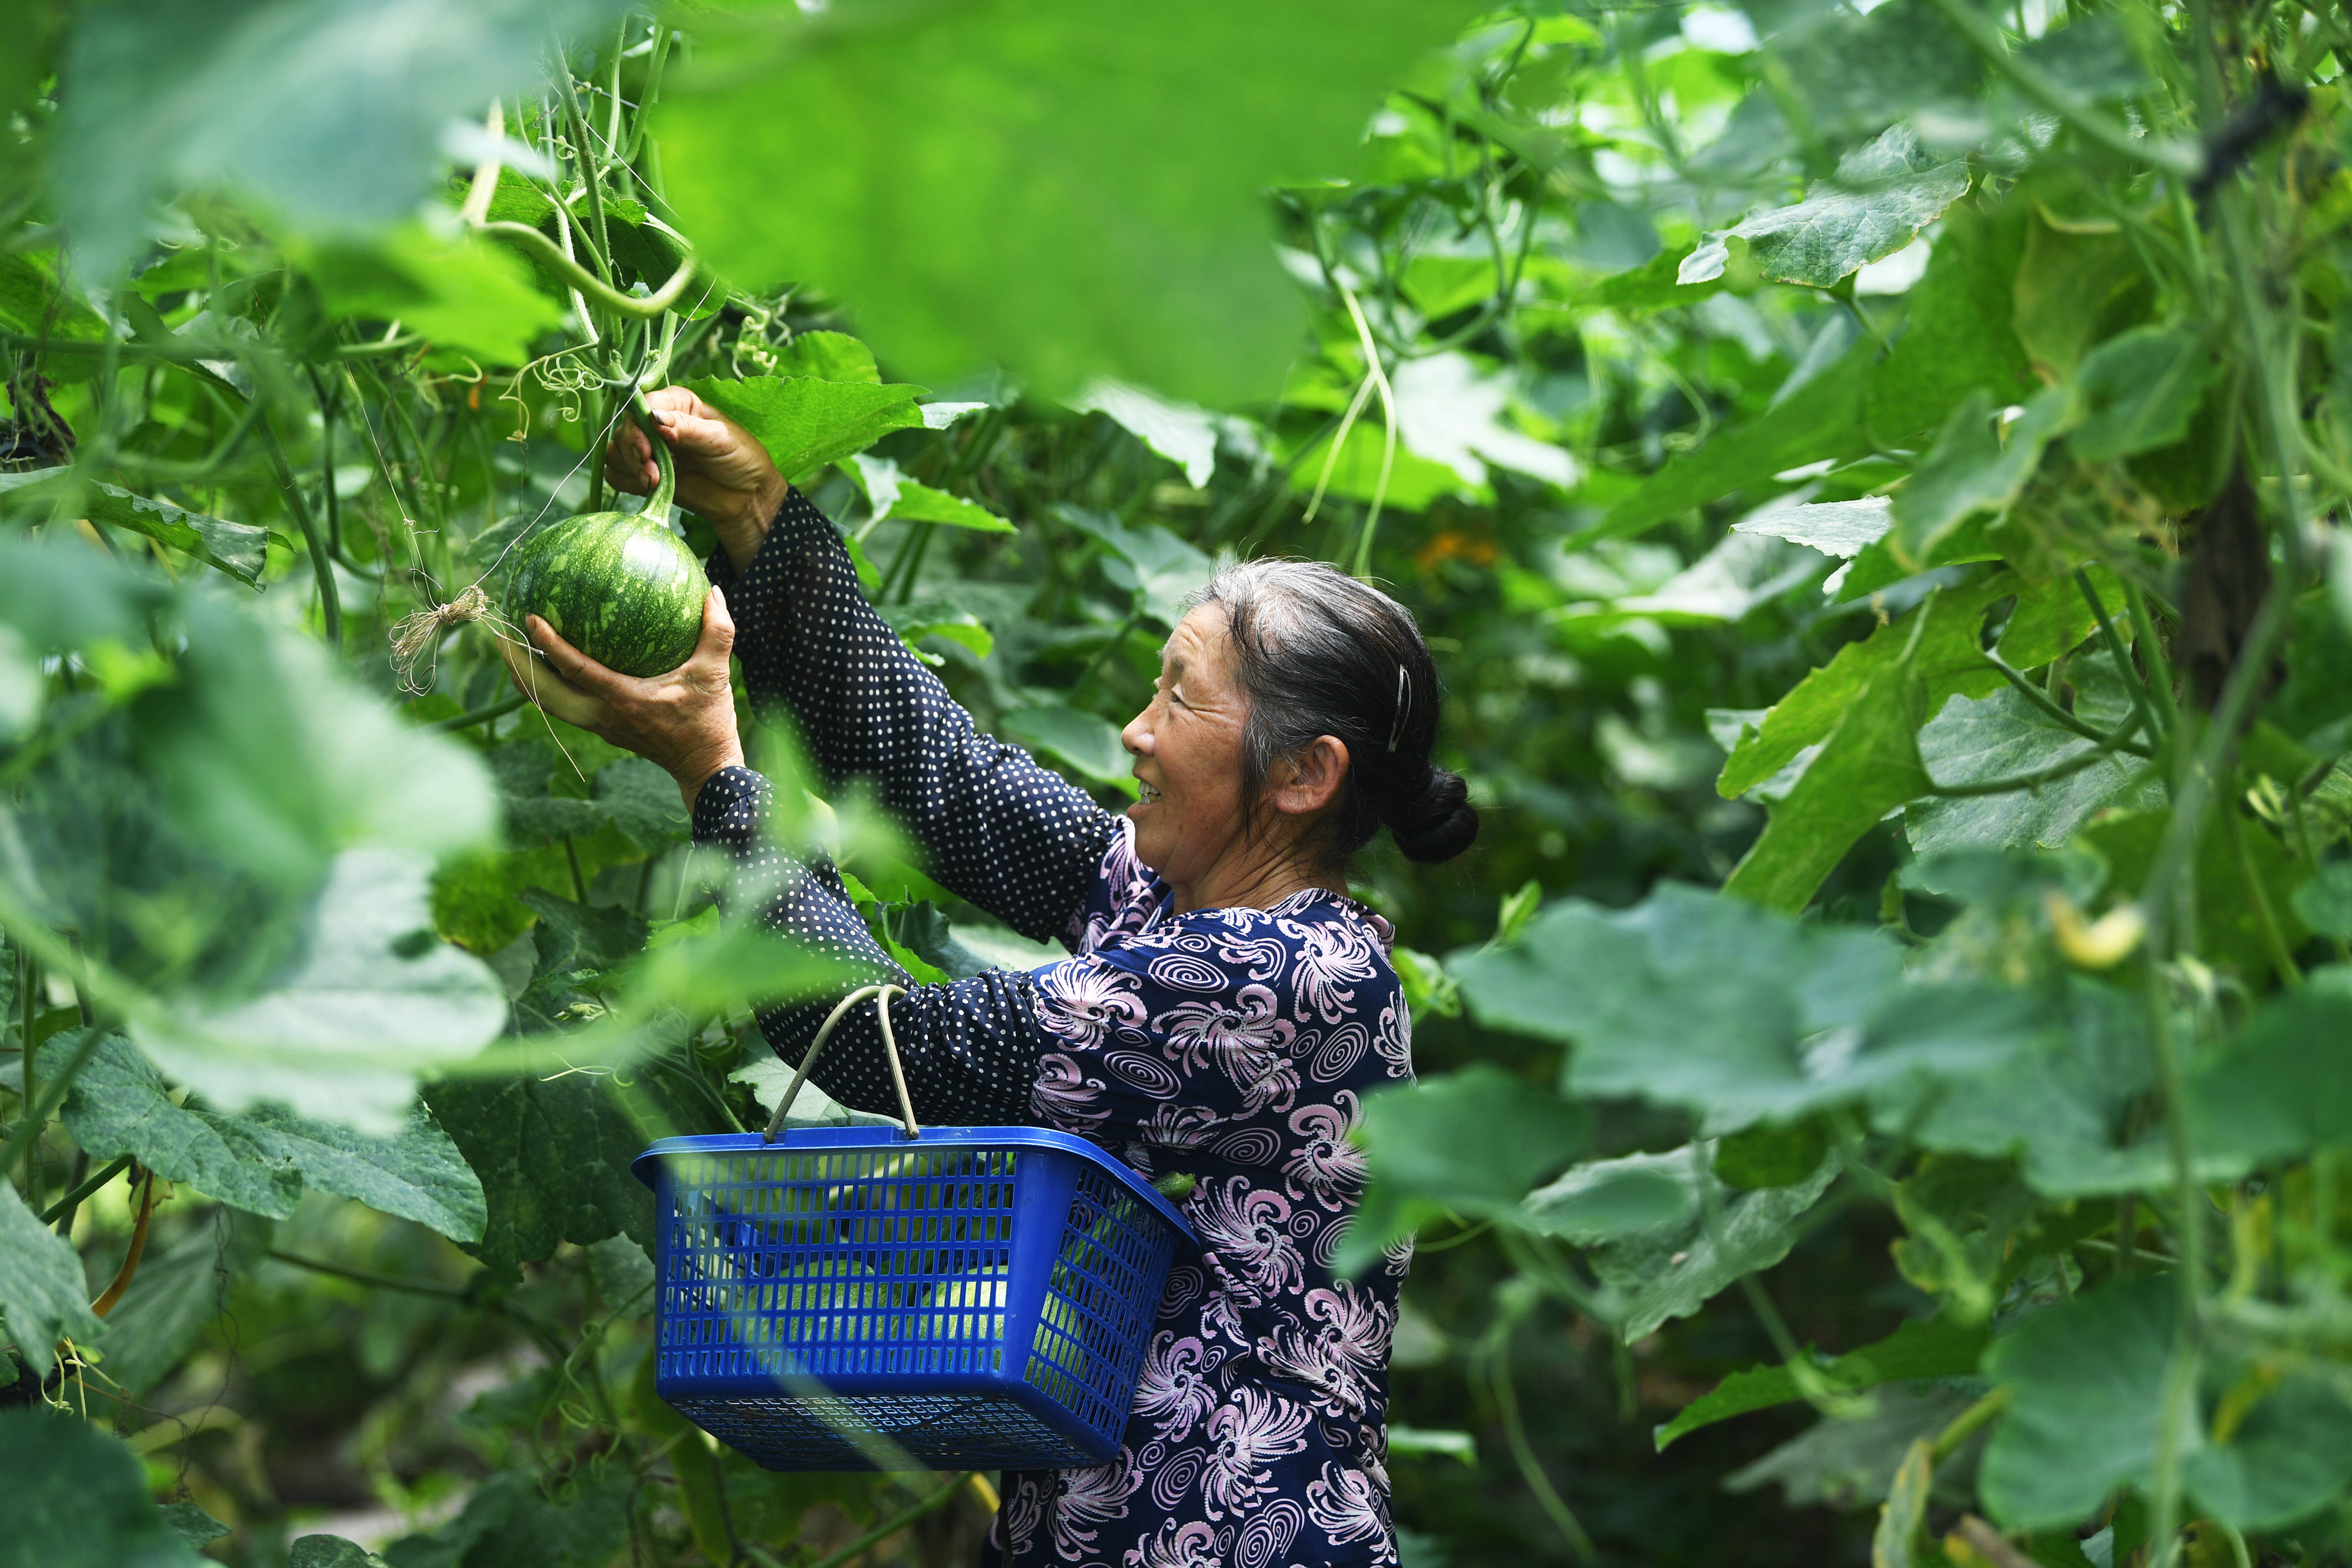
x=683, y=721
x=723, y=473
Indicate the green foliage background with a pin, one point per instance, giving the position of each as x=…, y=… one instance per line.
x=1873, y=479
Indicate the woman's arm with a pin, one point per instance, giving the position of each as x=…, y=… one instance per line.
x=970, y=1049
x=1003, y=831
x=1012, y=836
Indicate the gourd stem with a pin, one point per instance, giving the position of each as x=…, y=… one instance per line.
x=666, y=487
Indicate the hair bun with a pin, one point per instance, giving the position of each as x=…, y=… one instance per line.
x=1439, y=823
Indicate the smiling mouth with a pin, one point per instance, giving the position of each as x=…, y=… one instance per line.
x=1150, y=795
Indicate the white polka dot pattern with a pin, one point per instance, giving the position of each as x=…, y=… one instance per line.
x=971, y=1049
x=1016, y=839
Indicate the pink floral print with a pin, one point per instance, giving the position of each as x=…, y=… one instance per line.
x=1257, y=1434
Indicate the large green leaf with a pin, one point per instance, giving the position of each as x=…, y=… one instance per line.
x=1850, y=1462
x=43, y=1296
x=77, y=1498
x=2140, y=391
x=2075, y=284
x=805, y=424
x=1868, y=765
x=1984, y=740
x=261, y=1161
x=2088, y=1382
x=2282, y=1088
x=1149, y=562
x=1883, y=195
x=2088, y=1385
x=2061, y=1109
x=1706, y=1001
x=1972, y=470
x=1041, y=184
x=554, y=1156
x=1856, y=74
x=1943, y=657
x=236, y=548
x=1673, y=1271
x=31, y=301
x=920, y=503
x=1948, y=661
x=1607, y=1200
x=1929, y=1347
x=375, y=1001
x=1956, y=335
x=1472, y=1142
x=329, y=1552
x=554, y=1151
x=332, y=112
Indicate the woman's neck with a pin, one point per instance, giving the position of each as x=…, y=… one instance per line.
x=1257, y=882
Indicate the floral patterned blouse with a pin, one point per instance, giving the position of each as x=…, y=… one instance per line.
x=1236, y=1045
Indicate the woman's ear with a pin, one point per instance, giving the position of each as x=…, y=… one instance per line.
x=1310, y=780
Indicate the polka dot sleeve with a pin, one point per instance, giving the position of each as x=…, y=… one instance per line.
x=971, y=1049
x=1014, y=838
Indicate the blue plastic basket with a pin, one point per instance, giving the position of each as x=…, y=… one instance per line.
x=848, y=1298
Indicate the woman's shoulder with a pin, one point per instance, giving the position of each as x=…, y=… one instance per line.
x=1123, y=898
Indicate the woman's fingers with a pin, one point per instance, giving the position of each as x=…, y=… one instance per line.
x=544, y=686
x=717, y=640
x=578, y=670
x=697, y=436
x=629, y=461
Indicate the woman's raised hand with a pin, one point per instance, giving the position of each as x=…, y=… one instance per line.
x=683, y=721
x=723, y=474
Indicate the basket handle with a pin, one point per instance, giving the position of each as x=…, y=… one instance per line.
x=881, y=995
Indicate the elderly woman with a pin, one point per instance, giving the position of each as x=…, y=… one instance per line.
x=1225, y=1010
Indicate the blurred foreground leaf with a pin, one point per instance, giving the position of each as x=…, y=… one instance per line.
x=1041, y=183
x=331, y=112
x=375, y=1001
x=77, y=1498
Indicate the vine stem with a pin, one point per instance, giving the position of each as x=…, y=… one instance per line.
x=129, y=1270
x=370, y=1277
x=1379, y=380
x=1515, y=1432
x=2051, y=710
x=64, y=1208
x=2143, y=703
x=498, y=709
x=546, y=250
x=322, y=565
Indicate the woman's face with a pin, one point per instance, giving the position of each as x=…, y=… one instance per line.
x=1188, y=754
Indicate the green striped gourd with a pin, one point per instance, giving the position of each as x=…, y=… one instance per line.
x=618, y=586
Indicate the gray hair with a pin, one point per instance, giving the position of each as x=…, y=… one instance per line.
x=1317, y=653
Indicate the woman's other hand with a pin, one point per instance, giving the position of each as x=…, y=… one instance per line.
x=683, y=721
x=723, y=474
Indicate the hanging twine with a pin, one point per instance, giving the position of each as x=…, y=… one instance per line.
x=416, y=636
